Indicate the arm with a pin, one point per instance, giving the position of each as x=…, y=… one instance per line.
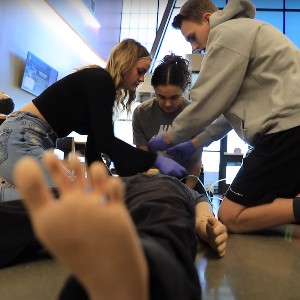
x=194, y=169
x=212, y=94
x=215, y=131
x=209, y=229
x=145, y=148
x=100, y=94
x=139, y=136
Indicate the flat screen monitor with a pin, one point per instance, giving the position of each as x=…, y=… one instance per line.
x=37, y=75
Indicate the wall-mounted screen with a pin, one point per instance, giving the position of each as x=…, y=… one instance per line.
x=37, y=75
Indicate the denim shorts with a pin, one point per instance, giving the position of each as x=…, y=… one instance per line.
x=23, y=134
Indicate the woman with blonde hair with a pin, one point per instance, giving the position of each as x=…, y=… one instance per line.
x=82, y=102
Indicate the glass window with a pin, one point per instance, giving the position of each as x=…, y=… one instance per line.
x=126, y=7
x=215, y=146
x=173, y=42
x=162, y=6
x=135, y=7
x=272, y=17
x=139, y=21
x=152, y=6
x=150, y=37
x=179, y=3
x=134, y=20
x=292, y=4
x=219, y=3
x=146, y=6
x=268, y=4
x=142, y=36
x=125, y=21
x=152, y=22
x=292, y=27
x=211, y=162
x=124, y=34
x=234, y=142
x=214, y=159
x=231, y=171
x=144, y=21
x=133, y=33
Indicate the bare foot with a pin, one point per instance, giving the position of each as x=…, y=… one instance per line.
x=96, y=240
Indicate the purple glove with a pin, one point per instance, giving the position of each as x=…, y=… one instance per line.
x=169, y=167
x=158, y=143
x=182, y=152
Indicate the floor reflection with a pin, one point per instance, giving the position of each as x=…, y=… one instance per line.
x=265, y=265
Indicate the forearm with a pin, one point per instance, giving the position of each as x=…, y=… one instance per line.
x=215, y=131
x=145, y=148
x=194, y=171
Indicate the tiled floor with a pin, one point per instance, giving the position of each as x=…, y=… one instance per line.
x=264, y=266
x=37, y=280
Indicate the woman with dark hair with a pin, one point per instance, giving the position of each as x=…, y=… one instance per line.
x=170, y=80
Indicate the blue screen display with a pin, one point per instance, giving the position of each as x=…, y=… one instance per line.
x=37, y=75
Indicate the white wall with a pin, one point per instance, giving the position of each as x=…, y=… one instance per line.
x=28, y=25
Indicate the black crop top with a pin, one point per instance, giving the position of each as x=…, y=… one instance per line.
x=83, y=102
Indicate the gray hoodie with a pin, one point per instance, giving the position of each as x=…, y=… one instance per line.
x=250, y=74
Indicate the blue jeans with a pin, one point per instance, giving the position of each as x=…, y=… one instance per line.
x=23, y=134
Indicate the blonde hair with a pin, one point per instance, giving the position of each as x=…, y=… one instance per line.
x=121, y=60
x=193, y=10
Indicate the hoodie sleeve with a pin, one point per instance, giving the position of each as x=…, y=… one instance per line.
x=217, y=130
x=220, y=78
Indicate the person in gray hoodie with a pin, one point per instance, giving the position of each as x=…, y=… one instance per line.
x=250, y=74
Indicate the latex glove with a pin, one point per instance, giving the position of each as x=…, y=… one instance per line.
x=182, y=152
x=158, y=143
x=169, y=167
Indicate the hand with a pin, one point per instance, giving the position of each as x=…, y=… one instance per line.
x=182, y=152
x=217, y=235
x=169, y=167
x=157, y=143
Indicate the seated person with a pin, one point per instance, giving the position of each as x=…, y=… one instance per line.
x=99, y=236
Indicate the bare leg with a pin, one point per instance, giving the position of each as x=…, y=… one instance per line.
x=241, y=219
x=96, y=241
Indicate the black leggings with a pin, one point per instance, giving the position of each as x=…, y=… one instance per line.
x=17, y=240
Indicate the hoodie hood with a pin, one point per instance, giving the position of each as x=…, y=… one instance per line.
x=233, y=10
